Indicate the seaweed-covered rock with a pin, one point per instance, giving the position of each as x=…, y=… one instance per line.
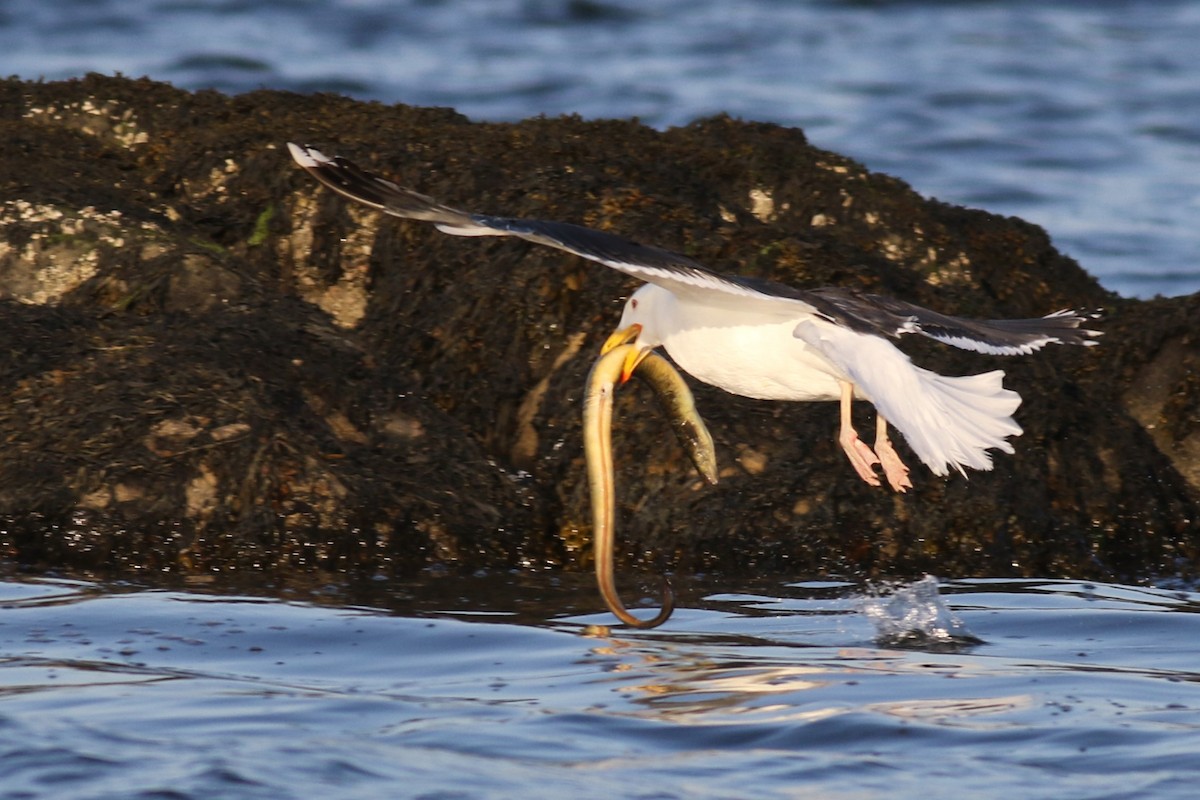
x=211, y=363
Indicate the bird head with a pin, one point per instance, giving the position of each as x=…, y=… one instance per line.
x=640, y=325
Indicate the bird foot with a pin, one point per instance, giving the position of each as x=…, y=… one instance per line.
x=862, y=457
x=893, y=468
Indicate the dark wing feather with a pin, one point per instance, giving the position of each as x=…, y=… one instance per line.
x=872, y=313
x=673, y=271
x=865, y=313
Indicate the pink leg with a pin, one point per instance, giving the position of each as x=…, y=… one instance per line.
x=893, y=467
x=862, y=458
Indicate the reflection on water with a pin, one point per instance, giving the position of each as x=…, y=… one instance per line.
x=784, y=691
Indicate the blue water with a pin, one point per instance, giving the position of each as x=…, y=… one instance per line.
x=990, y=689
x=1081, y=117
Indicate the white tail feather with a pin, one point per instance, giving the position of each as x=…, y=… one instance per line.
x=958, y=420
x=948, y=421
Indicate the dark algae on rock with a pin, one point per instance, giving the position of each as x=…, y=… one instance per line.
x=212, y=364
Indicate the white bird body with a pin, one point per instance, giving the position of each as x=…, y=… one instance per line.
x=736, y=350
x=769, y=341
x=948, y=421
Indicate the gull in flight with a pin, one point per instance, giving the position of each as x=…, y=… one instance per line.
x=766, y=340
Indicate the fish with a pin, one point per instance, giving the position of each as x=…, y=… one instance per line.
x=602, y=382
x=677, y=399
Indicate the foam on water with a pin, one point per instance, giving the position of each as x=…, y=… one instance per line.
x=916, y=615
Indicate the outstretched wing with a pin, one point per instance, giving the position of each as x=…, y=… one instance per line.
x=677, y=273
x=864, y=313
x=872, y=313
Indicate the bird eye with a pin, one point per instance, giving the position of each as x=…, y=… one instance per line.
x=633, y=303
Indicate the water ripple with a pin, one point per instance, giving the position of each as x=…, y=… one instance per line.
x=124, y=692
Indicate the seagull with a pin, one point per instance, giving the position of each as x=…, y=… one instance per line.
x=766, y=340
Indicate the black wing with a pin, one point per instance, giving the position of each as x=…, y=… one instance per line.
x=865, y=313
x=672, y=271
x=872, y=313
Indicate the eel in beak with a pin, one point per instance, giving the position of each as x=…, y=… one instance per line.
x=634, y=356
x=619, y=360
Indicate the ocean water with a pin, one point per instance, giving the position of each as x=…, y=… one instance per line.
x=981, y=689
x=1081, y=117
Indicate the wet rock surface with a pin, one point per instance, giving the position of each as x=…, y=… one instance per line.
x=212, y=364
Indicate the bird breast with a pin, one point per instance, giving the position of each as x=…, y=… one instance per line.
x=753, y=359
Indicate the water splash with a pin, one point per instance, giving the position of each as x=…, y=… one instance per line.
x=915, y=616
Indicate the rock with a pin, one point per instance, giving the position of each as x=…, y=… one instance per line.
x=213, y=364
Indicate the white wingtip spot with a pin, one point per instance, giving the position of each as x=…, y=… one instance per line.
x=307, y=156
x=462, y=230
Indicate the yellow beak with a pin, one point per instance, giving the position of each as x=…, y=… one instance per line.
x=635, y=354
